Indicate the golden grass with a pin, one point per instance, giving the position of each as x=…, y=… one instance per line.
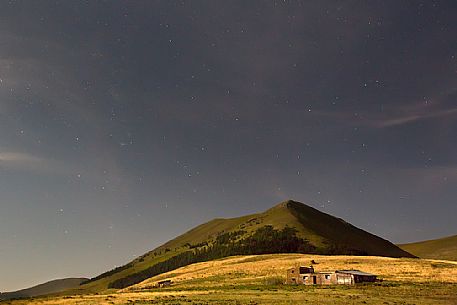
x=245, y=280
x=443, y=248
x=253, y=268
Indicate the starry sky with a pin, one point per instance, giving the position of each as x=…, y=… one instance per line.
x=126, y=123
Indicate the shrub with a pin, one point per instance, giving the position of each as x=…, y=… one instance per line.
x=274, y=280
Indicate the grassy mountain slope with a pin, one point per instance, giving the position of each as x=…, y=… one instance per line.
x=258, y=269
x=336, y=231
x=442, y=248
x=258, y=279
x=43, y=289
x=328, y=234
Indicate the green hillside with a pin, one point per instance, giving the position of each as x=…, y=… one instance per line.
x=442, y=248
x=43, y=289
x=320, y=232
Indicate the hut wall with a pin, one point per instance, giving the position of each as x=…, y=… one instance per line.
x=319, y=279
x=293, y=276
x=364, y=278
x=344, y=279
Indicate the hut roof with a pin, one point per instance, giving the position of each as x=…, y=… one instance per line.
x=355, y=272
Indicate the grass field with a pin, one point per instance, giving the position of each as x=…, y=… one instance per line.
x=442, y=248
x=258, y=280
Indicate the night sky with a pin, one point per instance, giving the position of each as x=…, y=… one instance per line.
x=124, y=124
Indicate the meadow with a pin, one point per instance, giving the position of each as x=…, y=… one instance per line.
x=258, y=279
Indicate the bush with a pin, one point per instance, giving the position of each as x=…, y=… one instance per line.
x=274, y=280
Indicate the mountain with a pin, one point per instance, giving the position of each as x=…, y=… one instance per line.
x=289, y=227
x=442, y=248
x=43, y=289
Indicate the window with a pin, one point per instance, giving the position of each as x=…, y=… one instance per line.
x=305, y=278
x=327, y=276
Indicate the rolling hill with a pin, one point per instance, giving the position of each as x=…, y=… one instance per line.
x=259, y=279
x=442, y=248
x=268, y=232
x=43, y=289
x=262, y=269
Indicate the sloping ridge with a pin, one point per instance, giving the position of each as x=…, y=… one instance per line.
x=441, y=248
x=330, y=235
x=43, y=289
x=340, y=233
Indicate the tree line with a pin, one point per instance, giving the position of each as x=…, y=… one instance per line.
x=265, y=240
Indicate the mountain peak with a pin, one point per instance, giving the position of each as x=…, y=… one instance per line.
x=325, y=234
x=287, y=204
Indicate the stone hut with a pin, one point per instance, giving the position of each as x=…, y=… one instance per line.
x=164, y=283
x=306, y=276
x=296, y=275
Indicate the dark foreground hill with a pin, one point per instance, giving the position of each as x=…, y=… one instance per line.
x=289, y=227
x=43, y=289
x=442, y=248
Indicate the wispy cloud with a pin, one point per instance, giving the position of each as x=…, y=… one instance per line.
x=18, y=159
x=393, y=116
x=15, y=161
x=21, y=161
x=411, y=114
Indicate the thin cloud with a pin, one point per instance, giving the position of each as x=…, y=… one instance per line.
x=392, y=117
x=28, y=162
x=17, y=158
x=25, y=162
x=439, y=106
x=402, y=120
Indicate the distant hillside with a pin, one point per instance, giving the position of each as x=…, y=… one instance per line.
x=289, y=227
x=262, y=269
x=43, y=289
x=442, y=248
